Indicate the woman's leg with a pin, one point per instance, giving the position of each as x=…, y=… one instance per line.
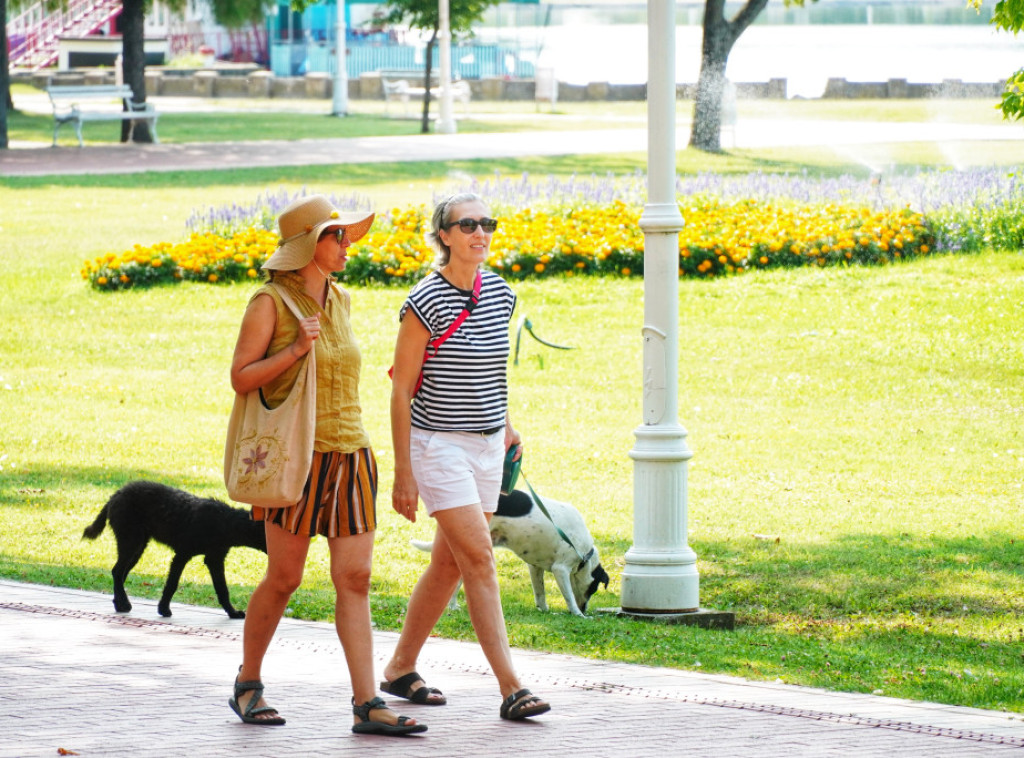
x=468, y=537
x=286, y=560
x=428, y=601
x=351, y=558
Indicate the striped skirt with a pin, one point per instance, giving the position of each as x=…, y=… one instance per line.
x=339, y=499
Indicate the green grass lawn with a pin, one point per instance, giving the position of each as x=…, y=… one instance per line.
x=865, y=421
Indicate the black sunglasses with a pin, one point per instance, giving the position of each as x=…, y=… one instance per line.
x=338, y=234
x=469, y=225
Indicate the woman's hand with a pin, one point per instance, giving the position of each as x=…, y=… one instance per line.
x=513, y=438
x=405, y=495
x=309, y=330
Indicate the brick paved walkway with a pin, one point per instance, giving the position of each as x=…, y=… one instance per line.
x=76, y=676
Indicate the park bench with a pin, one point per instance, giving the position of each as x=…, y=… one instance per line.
x=402, y=85
x=68, y=100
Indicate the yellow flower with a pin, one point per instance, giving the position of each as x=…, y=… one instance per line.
x=101, y=280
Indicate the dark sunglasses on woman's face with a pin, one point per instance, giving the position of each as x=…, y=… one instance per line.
x=469, y=225
x=338, y=234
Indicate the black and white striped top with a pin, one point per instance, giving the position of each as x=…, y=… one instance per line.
x=465, y=386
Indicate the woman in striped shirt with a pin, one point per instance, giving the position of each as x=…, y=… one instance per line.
x=451, y=436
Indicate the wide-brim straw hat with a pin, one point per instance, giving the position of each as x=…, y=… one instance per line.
x=301, y=224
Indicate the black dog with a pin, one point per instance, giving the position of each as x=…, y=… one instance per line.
x=189, y=525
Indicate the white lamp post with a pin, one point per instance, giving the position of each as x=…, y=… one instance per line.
x=339, y=105
x=446, y=121
x=660, y=575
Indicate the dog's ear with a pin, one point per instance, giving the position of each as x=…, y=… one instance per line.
x=601, y=576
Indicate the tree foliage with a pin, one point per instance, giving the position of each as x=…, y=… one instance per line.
x=1009, y=16
x=235, y=14
x=425, y=15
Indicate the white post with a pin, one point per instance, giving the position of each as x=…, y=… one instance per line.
x=446, y=121
x=339, y=106
x=660, y=574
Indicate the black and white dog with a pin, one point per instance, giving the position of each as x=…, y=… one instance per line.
x=189, y=525
x=520, y=526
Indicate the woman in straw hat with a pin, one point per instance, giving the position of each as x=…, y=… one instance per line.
x=338, y=501
x=451, y=435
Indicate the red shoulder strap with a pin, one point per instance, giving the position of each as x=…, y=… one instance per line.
x=471, y=303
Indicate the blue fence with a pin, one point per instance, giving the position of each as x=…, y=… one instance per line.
x=468, y=61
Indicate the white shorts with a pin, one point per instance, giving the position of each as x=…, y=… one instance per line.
x=454, y=469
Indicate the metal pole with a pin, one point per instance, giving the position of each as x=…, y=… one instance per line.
x=660, y=574
x=446, y=121
x=339, y=106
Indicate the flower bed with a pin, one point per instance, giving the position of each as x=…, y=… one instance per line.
x=592, y=227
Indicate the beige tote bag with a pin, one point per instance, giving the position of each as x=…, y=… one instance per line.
x=268, y=451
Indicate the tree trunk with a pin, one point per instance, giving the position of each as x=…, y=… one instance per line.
x=425, y=125
x=719, y=37
x=5, y=77
x=133, y=63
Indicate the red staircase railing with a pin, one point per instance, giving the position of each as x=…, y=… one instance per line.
x=34, y=33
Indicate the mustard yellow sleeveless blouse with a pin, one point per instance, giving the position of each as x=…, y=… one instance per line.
x=339, y=424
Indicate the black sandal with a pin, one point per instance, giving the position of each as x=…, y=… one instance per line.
x=522, y=705
x=402, y=687
x=365, y=726
x=250, y=715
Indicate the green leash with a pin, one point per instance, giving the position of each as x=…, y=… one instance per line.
x=563, y=535
x=525, y=322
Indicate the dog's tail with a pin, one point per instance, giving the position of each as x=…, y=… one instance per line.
x=93, y=530
x=418, y=544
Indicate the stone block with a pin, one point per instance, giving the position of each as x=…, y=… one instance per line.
x=319, y=85
x=288, y=87
x=203, y=83
x=231, y=86
x=621, y=92
x=100, y=77
x=836, y=88
x=492, y=88
x=66, y=80
x=178, y=86
x=571, y=93
x=518, y=89
x=777, y=89
x=370, y=87
x=897, y=88
x=154, y=82
x=259, y=83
